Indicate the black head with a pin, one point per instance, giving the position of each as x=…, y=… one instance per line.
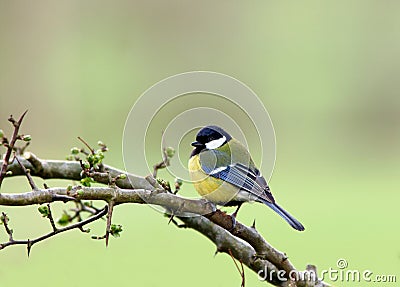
x=210, y=137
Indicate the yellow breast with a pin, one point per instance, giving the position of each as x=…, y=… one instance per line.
x=211, y=188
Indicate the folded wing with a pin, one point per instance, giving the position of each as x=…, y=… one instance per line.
x=243, y=177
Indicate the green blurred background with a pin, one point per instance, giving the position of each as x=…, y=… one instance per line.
x=327, y=71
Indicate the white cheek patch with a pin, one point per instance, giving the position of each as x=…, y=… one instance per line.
x=216, y=143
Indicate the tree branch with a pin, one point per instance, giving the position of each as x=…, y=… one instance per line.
x=245, y=243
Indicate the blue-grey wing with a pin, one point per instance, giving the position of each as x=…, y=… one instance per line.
x=243, y=177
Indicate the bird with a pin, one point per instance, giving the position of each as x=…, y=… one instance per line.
x=223, y=172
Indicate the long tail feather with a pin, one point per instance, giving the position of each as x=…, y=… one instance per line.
x=285, y=215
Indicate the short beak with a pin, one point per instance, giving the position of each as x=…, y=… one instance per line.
x=197, y=144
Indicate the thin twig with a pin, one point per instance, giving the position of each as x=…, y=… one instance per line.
x=240, y=270
x=63, y=198
x=80, y=207
x=86, y=144
x=20, y=150
x=178, y=185
x=10, y=146
x=109, y=217
x=9, y=231
x=165, y=159
x=51, y=219
x=28, y=175
x=99, y=237
x=162, y=164
x=171, y=217
x=29, y=243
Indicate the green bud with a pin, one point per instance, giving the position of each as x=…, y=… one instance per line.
x=69, y=157
x=75, y=150
x=1, y=134
x=115, y=230
x=84, y=182
x=80, y=192
x=96, y=160
x=90, y=158
x=178, y=181
x=69, y=188
x=4, y=218
x=64, y=219
x=87, y=181
x=26, y=138
x=98, y=157
x=86, y=165
x=122, y=176
x=44, y=210
x=170, y=151
x=100, y=154
x=9, y=173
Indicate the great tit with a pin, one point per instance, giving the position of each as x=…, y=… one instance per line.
x=224, y=173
